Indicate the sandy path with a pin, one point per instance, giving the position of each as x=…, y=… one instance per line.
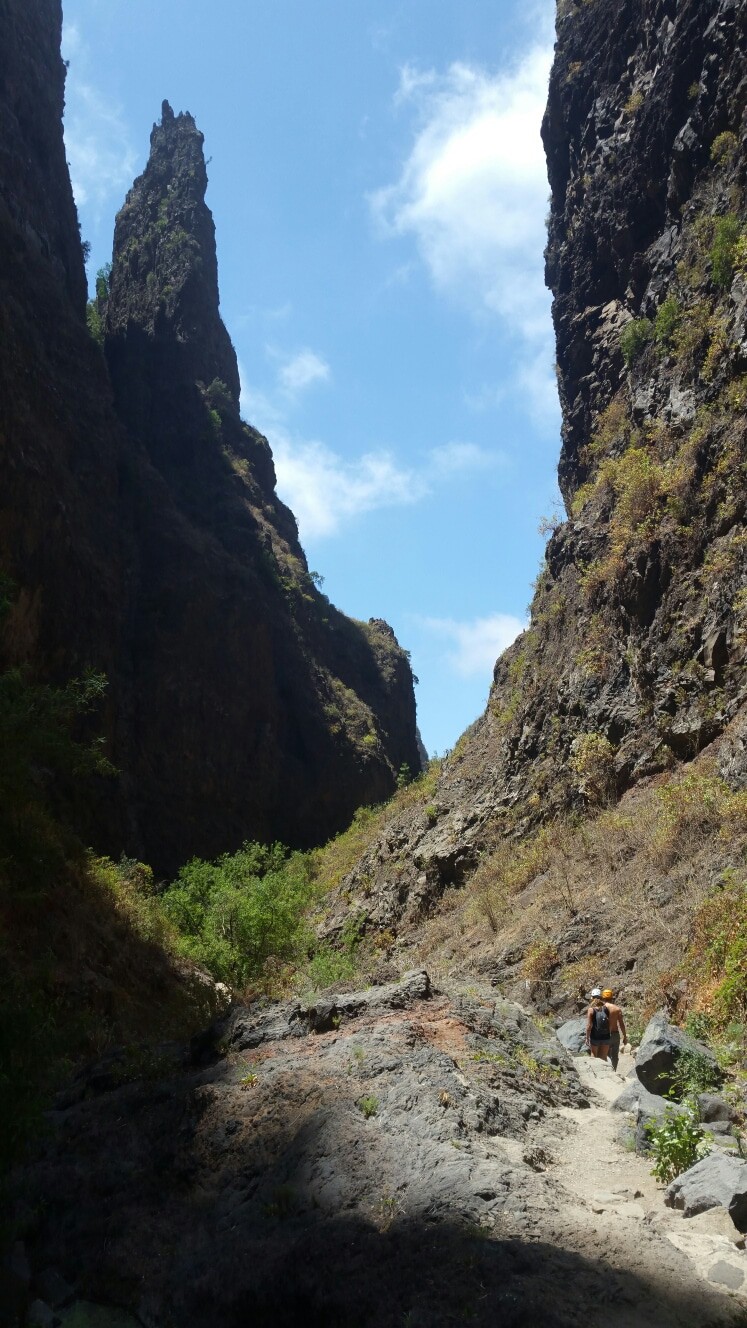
x=610, y=1208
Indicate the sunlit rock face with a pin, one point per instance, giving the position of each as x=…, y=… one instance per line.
x=139, y=519
x=634, y=659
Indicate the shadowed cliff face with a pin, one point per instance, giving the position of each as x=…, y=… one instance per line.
x=139, y=519
x=634, y=660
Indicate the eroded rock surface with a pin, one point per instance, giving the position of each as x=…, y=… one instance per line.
x=634, y=658
x=662, y=1047
x=139, y=518
x=717, y=1181
x=359, y=1160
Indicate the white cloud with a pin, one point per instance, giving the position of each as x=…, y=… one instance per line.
x=476, y=645
x=473, y=192
x=71, y=40
x=537, y=381
x=451, y=458
x=257, y=313
x=325, y=490
x=302, y=370
x=97, y=143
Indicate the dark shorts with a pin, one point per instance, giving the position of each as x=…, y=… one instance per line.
x=600, y=1042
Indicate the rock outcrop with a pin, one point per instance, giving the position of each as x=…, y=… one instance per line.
x=663, y=1046
x=305, y=1166
x=634, y=659
x=139, y=519
x=716, y=1181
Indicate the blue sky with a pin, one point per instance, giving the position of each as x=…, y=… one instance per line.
x=379, y=193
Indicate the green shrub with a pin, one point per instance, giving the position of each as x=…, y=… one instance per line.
x=218, y=396
x=103, y=281
x=677, y=1142
x=634, y=336
x=693, y=1074
x=329, y=966
x=369, y=1106
x=698, y=1024
x=725, y=238
x=724, y=145
x=94, y=322
x=667, y=320
x=592, y=762
x=39, y=742
x=239, y=911
x=718, y=953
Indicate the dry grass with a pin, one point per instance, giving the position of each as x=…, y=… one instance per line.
x=634, y=879
x=333, y=862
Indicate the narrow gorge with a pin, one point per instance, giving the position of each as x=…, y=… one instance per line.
x=337, y=1082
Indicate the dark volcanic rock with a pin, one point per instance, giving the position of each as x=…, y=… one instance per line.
x=188, y=1198
x=715, y=1181
x=572, y=1035
x=661, y=1047
x=140, y=522
x=634, y=658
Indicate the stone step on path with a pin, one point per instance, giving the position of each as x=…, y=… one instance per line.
x=626, y=1203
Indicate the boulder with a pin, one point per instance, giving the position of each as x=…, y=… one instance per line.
x=661, y=1047
x=630, y=1096
x=713, y=1108
x=650, y=1108
x=717, y=1181
x=645, y=1106
x=53, y=1289
x=716, y=1222
x=572, y=1035
x=40, y=1315
x=721, y=1128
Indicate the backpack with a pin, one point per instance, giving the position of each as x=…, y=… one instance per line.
x=600, y=1026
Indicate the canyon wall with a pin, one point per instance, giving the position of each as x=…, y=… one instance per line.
x=634, y=658
x=139, y=520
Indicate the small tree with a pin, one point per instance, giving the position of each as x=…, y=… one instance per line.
x=725, y=239
x=635, y=335
x=593, y=764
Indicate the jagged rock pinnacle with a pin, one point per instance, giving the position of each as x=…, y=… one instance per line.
x=164, y=333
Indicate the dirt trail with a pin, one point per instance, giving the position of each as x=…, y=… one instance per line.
x=619, y=1212
x=436, y=1146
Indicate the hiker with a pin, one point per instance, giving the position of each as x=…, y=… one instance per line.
x=598, y=1026
x=617, y=1026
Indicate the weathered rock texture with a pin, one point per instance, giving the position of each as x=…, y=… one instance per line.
x=380, y=1157
x=662, y=1046
x=139, y=519
x=715, y=1181
x=634, y=660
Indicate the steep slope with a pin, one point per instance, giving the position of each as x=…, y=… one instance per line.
x=139, y=520
x=634, y=658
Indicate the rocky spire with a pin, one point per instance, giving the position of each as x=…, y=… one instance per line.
x=165, y=340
